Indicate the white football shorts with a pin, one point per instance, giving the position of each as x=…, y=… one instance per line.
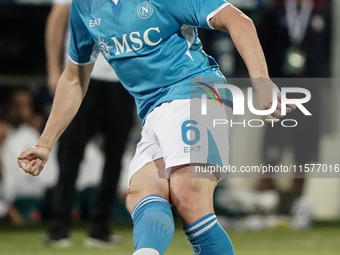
x=178, y=132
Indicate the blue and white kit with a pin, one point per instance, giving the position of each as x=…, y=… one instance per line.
x=154, y=48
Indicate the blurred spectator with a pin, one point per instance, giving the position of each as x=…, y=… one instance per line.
x=6, y=209
x=3, y=133
x=18, y=108
x=20, y=194
x=106, y=106
x=295, y=35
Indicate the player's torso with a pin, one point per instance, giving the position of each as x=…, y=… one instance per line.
x=153, y=54
x=127, y=28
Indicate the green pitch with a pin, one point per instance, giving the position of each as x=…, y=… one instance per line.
x=321, y=240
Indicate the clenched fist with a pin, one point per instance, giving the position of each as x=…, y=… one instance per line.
x=33, y=160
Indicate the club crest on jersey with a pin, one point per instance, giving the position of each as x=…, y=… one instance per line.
x=197, y=249
x=145, y=10
x=104, y=47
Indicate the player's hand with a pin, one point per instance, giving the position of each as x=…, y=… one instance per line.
x=33, y=160
x=264, y=92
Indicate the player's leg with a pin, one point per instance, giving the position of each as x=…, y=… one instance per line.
x=275, y=139
x=193, y=199
x=70, y=153
x=116, y=106
x=185, y=136
x=148, y=204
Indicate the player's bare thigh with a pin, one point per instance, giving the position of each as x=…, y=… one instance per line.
x=150, y=179
x=192, y=197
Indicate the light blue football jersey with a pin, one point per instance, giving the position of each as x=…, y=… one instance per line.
x=152, y=45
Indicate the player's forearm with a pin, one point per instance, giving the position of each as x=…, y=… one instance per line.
x=70, y=92
x=244, y=36
x=65, y=106
x=248, y=45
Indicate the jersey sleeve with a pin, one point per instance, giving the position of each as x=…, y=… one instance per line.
x=82, y=49
x=195, y=12
x=62, y=2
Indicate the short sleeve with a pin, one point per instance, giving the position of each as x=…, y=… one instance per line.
x=82, y=49
x=195, y=12
x=62, y=2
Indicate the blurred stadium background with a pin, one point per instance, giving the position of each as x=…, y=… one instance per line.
x=283, y=216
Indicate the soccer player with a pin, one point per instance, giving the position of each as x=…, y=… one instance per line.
x=154, y=49
x=106, y=98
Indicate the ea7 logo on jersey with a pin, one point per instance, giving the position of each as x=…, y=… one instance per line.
x=135, y=40
x=95, y=22
x=145, y=10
